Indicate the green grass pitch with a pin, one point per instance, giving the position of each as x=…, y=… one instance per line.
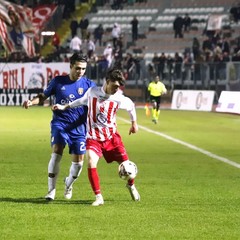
x=186, y=193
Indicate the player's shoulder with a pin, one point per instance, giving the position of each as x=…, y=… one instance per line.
x=61, y=79
x=88, y=81
x=95, y=89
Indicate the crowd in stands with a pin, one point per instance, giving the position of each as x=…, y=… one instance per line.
x=215, y=49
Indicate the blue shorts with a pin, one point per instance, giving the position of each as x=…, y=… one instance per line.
x=75, y=138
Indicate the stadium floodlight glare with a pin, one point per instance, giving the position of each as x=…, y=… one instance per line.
x=47, y=33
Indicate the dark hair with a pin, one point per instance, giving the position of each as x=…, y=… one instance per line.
x=78, y=57
x=115, y=75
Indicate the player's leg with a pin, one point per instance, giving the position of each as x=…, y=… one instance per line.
x=53, y=170
x=58, y=142
x=131, y=186
x=94, y=177
x=74, y=172
x=133, y=190
x=77, y=149
x=157, y=109
x=119, y=154
x=154, y=111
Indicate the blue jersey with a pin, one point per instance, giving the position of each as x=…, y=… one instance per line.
x=66, y=91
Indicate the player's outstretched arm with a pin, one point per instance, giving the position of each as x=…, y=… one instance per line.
x=40, y=98
x=60, y=107
x=75, y=103
x=134, y=128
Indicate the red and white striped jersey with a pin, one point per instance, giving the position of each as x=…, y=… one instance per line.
x=102, y=109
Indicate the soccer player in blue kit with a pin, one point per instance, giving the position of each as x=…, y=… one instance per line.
x=67, y=127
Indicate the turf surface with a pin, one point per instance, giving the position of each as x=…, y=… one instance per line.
x=185, y=193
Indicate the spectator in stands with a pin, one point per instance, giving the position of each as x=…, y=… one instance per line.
x=169, y=64
x=108, y=55
x=151, y=71
x=207, y=44
x=235, y=12
x=84, y=27
x=120, y=42
x=134, y=24
x=215, y=38
x=90, y=48
x=118, y=57
x=187, y=66
x=75, y=45
x=236, y=62
x=178, y=66
x=178, y=26
x=98, y=34
x=186, y=22
x=224, y=45
x=74, y=27
x=161, y=66
x=129, y=64
x=195, y=48
x=155, y=62
x=116, y=32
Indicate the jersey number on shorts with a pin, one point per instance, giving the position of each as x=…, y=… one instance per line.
x=82, y=146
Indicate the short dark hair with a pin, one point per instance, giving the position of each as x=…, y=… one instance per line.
x=78, y=57
x=115, y=75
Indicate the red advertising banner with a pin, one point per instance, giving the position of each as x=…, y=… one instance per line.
x=29, y=75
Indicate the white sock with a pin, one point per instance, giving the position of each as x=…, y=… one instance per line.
x=74, y=172
x=53, y=167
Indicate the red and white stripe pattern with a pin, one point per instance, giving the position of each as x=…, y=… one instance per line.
x=24, y=15
x=102, y=109
x=5, y=37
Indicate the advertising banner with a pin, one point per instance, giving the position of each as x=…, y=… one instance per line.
x=30, y=75
x=18, y=82
x=196, y=100
x=229, y=102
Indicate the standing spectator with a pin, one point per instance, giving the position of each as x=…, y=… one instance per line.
x=118, y=57
x=84, y=27
x=129, y=64
x=75, y=45
x=195, y=48
x=134, y=24
x=90, y=48
x=177, y=27
x=74, y=27
x=187, y=66
x=224, y=45
x=156, y=90
x=178, y=66
x=170, y=69
x=98, y=33
x=108, y=55
x=186, y=22
x=161, y=66
x=68, y=127
x=207, y=45
x=116, y=32
x=155, y=62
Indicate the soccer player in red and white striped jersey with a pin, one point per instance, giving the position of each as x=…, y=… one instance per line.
x=103, y=138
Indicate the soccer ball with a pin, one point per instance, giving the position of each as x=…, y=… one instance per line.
x=127, y=170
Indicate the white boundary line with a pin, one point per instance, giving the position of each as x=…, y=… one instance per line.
x=209, y=154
